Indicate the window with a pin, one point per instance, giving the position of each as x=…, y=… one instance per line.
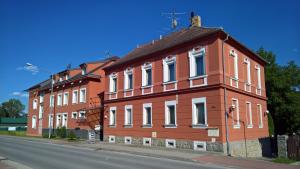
x=127, y=140
x=66, y=98
x=249, y=114
x=113, y=83
x=50, y=121
x=200, y=145
x=82, y=114
x=60, y=79
x=235, y=64
x=112, y=116
x=170, y=114
x=75, y=97
x=197, y=62
x=258, y=91
x=59, y=99
x=34, y=104
x=83, y=71
x=147, y=115
x=33, y=122
x=260, y=116
x=41, y=98
x=235, y=113
x=169, y=66
x=128, y=115
x=65, y=120
x=146, y=141
x=111, y=139
x=67, y=77
x=128, y=79
x=74, y=115
x=199, y=112
x=52, y=101
x=170, y=143
x=58, y=120
x=82, y=97
x=41, y=111
x=247, y=62
x=147, y=74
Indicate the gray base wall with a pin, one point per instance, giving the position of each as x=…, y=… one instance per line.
x=81, y=133
x=248, y=148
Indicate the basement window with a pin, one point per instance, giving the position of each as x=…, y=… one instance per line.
x=111, y=139
x=127, y=140
x=170, y=143
x=200, y=145
x=146, y=141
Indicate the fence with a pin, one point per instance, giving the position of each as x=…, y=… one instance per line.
x=289, y=146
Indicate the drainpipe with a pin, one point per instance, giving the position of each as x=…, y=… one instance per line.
x=225, y=98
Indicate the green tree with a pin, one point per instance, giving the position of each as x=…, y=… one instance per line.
x=282, y=85
x=12, y=108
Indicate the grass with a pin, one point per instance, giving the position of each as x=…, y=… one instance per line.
x=13, y=133
x=284, y=160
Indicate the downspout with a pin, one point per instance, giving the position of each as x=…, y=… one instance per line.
x=225, y=98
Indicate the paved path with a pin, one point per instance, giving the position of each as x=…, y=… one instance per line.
x=44, y=155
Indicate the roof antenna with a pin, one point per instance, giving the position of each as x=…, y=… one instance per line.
x=173, y=17
x=107, y=54
x=69, y=66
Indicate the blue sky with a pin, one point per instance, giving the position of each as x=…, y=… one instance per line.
x=54, y=33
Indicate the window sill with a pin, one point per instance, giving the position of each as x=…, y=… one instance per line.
x=127, y=125
x=112, y=92
x=112, y=126
x=197, y=77
x=235, y=79
x=260, y=127
x=200, y=126
x=237, y=126
x=170, y=126
x=128, y=90
x=147, y=126
x=250, y=126
x=169, y=82
x=143, y=87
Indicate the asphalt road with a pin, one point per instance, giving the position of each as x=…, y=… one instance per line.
x=43, y=155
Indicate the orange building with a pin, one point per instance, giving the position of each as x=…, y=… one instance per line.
x=76, y=101
x=176, y=92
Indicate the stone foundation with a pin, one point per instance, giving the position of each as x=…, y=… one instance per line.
x=80, y=133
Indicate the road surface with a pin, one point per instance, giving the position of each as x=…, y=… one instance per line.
x=44, y=155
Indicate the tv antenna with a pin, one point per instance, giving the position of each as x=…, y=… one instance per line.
x=107, y=54
x=173, y=16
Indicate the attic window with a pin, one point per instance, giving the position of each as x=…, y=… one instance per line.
x=83, y=71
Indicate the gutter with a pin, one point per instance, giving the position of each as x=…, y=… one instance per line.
x=225, y=97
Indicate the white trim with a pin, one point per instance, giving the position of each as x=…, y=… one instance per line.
x=193, y=54
x=59, y=99
x=167, y=118
x=33, y=121
x=74, y=100
x=76, y=113
x=126, y=122
x=127, y=140
x=113, y=88
x=235, y=64
x=34, y=104
x=127, y=72
x=258, y=71
x=50, y=120
x=64, y=122
x=82, y=114
x=51, y=101
x=199, y=145
x=147, y=141
x=260, y=116
x=144, y=67
x=147, y=105
x=111, y=139
x=166, y=71
x=66, y=102
x=249, y=112
x=82, y=98
x=236, y=116
x=114, y=121
x=170, y=143
x=194, y=116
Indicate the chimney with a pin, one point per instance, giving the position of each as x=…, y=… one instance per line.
x=195, y=20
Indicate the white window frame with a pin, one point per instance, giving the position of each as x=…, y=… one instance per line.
x=145, y=67
x=64, y=123
x=34, y=104
x=145, y=118
x=194, y=112
x=258, y=70
x=41, y=97
x=249, y=115
x=237, y=115
x=111, y=139
x=58, y=119
x=51, y=101
x=167, y=118
x=33, y=121
x=66, y=101
x=41, y=111
x=74, y=113
x=260, y=116
x=248, y=77
x=193, y=54
x=126, y=122
x=166, y=71
x=82, y=98
x=80, y=114
x=59, y=101
x=112, y=122
x=127, y=140
x=196, y=143
x=167, y=141
x=113, y=88
x=75, y=97
x=145, y=140
x=235, y=64
x=67, y=77
x=127, y=72
x=50, y=120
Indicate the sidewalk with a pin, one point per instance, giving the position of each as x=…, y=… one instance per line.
x=7, y=164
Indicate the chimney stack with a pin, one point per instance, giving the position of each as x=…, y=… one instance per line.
x=195, y=20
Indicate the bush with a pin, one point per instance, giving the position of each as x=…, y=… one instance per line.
x=61, y=132
x=71, y=135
